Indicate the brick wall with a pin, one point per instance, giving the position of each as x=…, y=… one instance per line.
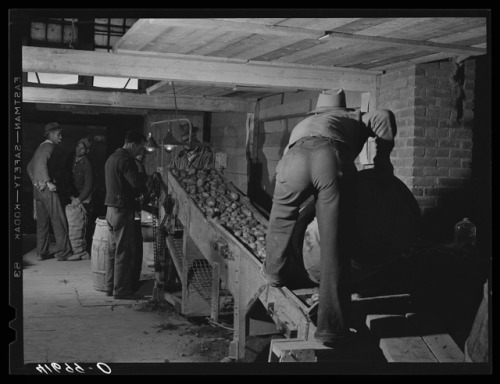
x=433, y=149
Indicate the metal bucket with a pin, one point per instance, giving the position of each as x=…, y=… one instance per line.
x=99, y=253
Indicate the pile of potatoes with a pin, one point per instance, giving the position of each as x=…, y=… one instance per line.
x=215, y=200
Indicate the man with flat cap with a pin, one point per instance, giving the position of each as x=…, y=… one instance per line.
x=319, y=161
x=41, y=170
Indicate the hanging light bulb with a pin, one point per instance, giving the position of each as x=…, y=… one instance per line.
x=170, y=142
x=150, y=144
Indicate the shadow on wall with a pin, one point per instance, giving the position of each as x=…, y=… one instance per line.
x=262, y=175
x=438, y=224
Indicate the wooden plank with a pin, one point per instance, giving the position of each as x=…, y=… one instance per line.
x=133, y=100
x=236, y=25
x=439, y=342
x=177, y=67
x=157, y=86
x=287, y=109
x=398, y=340
x=273, y=139
x=427, y=45
x=214, y=313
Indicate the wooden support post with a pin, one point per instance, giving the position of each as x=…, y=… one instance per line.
x=214, y=315
x=185, y=265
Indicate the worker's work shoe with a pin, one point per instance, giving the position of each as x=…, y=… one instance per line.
x=335, y=341
x=129, y=296
x=44, y=257
x=74, y=258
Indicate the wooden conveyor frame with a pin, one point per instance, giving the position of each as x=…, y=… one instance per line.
x=239, y=271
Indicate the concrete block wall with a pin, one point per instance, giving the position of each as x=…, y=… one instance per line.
x=433, y=149
x=229, y=135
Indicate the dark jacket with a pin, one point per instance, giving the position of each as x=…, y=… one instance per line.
x=123, y=180
x=82, y=179
x=41, y=167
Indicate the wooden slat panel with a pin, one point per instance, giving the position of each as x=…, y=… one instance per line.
x=270, y=153
x=393, y=27
x=288, y=50
x=398, y=341
x=468, y=37
x=395, y=42
x=439, y=342
x=316, y=52
x=181, y=40
x=403, y=58
x=362, y=24
x=437, y=26
x=364, y=54
x=273, y=139
x=260, y=48
x=140, y=35
x=292, y=108
x=321, y=24
x=219, y=40
x=420, y=59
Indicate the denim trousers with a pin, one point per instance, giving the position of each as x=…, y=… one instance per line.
x=121, y=250
x=50, y=210
x=323, y=168
x=139, y=254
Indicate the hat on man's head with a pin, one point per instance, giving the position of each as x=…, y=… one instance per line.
x=330, y=100
x=86, y=141
x=52, y=127
x=184, y=130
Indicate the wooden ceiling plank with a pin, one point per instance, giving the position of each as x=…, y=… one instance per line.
x=393, y=26
x=217, y=43
x=319, y=50
x=156, y=87
x=427, y=45
x=184, y=40
x=185, y=69
x=463, y=36
x=240, y=26
x=437, y=26
x=262, y=46
x=321, y=24
x=414, y=61
x=139, y=35
x=376, y=63
x=361, y=55
x=133, y=100
x=288, y=50
x=362, y=24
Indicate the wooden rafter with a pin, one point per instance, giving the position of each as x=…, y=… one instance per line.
x=134, y=100
x=201, y=70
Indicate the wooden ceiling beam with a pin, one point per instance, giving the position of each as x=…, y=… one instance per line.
x=202, y=70
x=427, y=45
x=134, y=100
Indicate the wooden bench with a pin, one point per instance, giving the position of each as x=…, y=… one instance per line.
x=414, y=338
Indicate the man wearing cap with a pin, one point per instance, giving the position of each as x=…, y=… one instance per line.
x=193, y=154
x=125, y=179
x=319, y=161
x=81, y=185
x=41, y=170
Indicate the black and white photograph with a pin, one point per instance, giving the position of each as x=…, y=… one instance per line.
x=250, y=191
